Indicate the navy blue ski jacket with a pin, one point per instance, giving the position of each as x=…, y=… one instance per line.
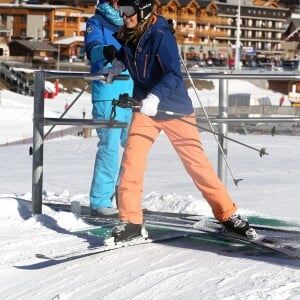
x=155, y=68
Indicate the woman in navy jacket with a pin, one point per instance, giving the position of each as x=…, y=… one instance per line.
x=150, y=53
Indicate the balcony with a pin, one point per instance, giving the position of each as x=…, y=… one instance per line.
x=201, y=32
x=202, y=19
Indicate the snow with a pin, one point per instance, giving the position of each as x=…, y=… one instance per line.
x=176, y=270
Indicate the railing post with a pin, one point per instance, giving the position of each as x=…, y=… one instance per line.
x=38, y=142
x=223, y=129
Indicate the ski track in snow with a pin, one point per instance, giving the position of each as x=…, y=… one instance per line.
x=187, y=267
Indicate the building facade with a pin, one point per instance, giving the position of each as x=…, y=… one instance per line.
x=204, y=29
x=45, y=22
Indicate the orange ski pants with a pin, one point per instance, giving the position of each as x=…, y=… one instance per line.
x=185, y=139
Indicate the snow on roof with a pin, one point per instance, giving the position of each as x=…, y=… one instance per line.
x=69, y=40
x=34, y=45
x=295, y=16
x=24, y=70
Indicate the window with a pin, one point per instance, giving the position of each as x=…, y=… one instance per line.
x=23, y=32
x=58, y=33
x=71, y=20
x=59, y=19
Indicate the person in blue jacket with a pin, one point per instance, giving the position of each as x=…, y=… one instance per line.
x=101, y=48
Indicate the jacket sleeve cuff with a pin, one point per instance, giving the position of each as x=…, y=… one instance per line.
x=97, y=54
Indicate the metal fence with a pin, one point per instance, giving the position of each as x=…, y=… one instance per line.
x=222, y=119
x=218, y=115
x=39, y=122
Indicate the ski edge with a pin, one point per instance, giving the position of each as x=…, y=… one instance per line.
x=105, y=248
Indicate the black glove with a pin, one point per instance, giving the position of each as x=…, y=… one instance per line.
x=110, y=53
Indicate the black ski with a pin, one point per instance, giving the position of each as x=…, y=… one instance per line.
x=155, y=238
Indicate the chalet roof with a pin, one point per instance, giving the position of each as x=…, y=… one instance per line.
x=69, y=40
x=164, y=2
x=293, y=27
x=183, y=3
x=294, y=22
x=35, y=45
x=203, y=3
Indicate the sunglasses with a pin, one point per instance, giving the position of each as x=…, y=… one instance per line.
x=127, y=11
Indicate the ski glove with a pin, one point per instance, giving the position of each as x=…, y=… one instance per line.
x=110, y=52
x=116, y=68
x=149, y=105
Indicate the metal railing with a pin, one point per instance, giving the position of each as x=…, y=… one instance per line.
x=39, y=121
x=221, y=117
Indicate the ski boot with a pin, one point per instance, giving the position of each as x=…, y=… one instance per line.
x=126, y=231
x=240, y=226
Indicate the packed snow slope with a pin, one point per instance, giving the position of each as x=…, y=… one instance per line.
x=181, y=269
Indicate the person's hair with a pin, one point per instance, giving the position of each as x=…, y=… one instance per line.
x=133, y=35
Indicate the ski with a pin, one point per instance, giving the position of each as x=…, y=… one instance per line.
x=280, y=226
x=279, y=236
x=256, y=222
x=105, y=248
x=276, y=239
x=260, y=240
x=259, y=223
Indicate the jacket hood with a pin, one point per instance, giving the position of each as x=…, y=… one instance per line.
x=109, y=13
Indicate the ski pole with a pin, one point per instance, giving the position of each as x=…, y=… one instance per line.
x=125, y=101
x=261, y=151
x=236, y=181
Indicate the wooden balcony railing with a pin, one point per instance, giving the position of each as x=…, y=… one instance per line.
x=198, y=19
x=201, y=32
